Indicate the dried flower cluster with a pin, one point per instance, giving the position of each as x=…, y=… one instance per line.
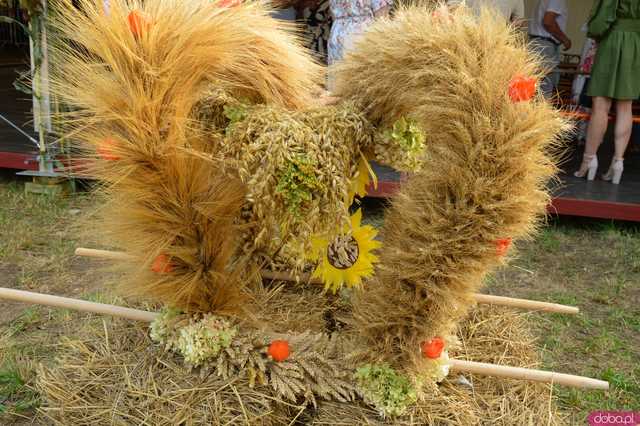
x=314, y=369
x=198, y=339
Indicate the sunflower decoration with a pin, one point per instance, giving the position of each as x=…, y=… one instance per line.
x=347, y=258
x=364, y=176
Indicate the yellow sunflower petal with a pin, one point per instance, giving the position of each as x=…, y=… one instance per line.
x=364, y=176
x=356, y=219
x=333, y=277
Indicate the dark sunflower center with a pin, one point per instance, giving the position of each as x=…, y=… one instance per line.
x=343, y=252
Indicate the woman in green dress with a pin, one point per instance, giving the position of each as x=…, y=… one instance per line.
x=615, y=25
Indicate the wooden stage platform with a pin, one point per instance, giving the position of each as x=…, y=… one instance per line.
x=600, y=199
x=573, y=196
x=16, y=151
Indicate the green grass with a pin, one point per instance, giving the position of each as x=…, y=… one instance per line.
x=36, y=248
x=29, y=317
x=16, y=392
x=26, y=221
x=36, y=253
x=595, y=266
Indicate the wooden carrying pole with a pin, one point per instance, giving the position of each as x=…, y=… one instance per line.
x=456, y=365
x=76, y=305
x=532, y=305
x=527, y=374
x=486, y=299
x=102, y=254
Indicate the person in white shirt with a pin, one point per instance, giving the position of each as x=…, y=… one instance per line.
x=511, y=10
x=547, y=33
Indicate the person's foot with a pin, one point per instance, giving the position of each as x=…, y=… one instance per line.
x=614, y=174
x=588, y=167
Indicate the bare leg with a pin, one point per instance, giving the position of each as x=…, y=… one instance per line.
x=624, y=123
x=598, y=124
x=595, y=133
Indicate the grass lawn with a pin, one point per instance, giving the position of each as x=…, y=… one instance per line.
x=595, y=265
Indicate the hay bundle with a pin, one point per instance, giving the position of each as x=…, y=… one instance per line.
x=115, y=374
x=484, y=174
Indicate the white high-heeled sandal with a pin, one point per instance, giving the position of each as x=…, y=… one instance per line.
x=614, y=174
x=590, y=165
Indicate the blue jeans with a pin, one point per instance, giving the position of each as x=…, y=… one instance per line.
x=550, y=55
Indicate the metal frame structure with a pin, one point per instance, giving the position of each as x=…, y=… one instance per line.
x=35, y=155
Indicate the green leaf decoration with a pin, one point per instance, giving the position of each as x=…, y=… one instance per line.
x=234, y=113
x=297, y=183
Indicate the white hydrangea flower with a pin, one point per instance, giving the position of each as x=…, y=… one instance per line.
x=160, y=329
x=203, y=340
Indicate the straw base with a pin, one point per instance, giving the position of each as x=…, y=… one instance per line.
x=129, y=379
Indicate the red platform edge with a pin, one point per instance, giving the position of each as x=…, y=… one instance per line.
x=558, y=206
x=596, y=209
x=18, y=160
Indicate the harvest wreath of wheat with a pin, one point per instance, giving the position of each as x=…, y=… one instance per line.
x=221, y=171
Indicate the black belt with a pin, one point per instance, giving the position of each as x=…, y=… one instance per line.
x=631, y=25
x=552, y=40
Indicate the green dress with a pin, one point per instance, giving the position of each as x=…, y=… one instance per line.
x=615, y=25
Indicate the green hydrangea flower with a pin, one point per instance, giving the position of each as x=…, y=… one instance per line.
x=380, y=385
x=402, y=146
x=408, y=135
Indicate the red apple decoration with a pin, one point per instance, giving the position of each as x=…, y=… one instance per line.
x=139, y=23
x=105, y=149
x=522, y=88
x=228, y=3
x=502, y=246
x=279, y=350
x=433, y=348
x=162, y=264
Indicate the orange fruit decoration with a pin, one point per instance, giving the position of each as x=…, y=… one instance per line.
x=502, y=246
x=432, y=349
x=162, y=264
x=229, y=3
x=279, y=350
x=522, y=88
x=441, y=17
x=105, y=149
x=139, y=23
